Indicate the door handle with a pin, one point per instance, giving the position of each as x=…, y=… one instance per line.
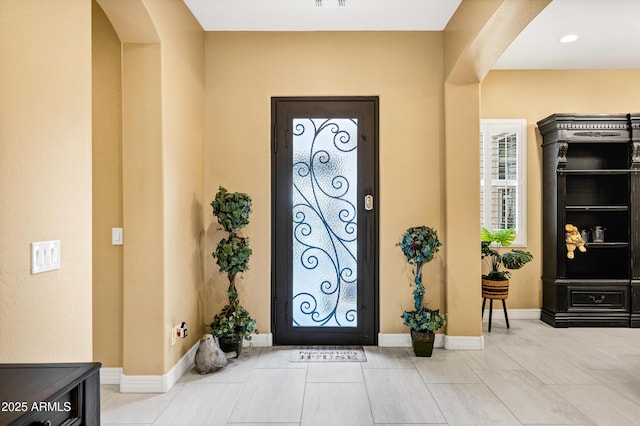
x=368, y=202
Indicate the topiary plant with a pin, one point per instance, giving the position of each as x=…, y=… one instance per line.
x=232, y=257
x=232, y=209
x=419, y=246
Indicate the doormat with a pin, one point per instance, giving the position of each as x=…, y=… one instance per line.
x=328, y=354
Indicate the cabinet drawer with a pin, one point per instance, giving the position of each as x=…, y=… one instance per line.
x=603, y=298
x=57, y=394
x=63, y=411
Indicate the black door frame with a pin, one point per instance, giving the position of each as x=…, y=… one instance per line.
x=302, y=335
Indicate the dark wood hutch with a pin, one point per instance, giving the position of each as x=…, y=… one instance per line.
x=591, y=177
x=50, y=394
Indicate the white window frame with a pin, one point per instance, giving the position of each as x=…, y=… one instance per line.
x=489, y=128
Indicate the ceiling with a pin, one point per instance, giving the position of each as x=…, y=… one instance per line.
x=303, y=15
x=608, y=30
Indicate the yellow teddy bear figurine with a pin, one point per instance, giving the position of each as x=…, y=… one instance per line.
x=573, y=239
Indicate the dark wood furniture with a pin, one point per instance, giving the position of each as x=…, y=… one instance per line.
x=50, y=394
x=591, y=177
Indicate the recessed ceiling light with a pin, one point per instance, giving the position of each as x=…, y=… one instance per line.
x=569, y=38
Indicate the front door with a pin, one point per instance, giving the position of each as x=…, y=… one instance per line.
x=324, y=226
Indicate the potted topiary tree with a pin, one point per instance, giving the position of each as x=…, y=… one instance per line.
x=495, y=284
x=419, y=245
x=233, y=323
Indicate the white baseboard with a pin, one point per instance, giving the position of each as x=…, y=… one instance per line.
x=464, y=343
x=110, y=375
x=403, y=340
x=143, y=384
x=394, y=340
x=158, y=383
x=164, y=383
x=261, y=340
x=498, y=313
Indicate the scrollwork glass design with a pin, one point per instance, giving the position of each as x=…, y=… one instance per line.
x=325, y=231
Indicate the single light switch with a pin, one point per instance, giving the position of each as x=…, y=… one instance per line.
x=116, y=236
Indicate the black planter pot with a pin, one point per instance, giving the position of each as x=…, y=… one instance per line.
x=422, y=342
x=231, y=344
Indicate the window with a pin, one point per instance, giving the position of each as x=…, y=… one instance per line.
x=503, y=145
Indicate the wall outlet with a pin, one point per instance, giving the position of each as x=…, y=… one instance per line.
x=179, y=330
x=45, y=256
x=182, y=330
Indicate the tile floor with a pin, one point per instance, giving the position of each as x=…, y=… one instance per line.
x=531, y=374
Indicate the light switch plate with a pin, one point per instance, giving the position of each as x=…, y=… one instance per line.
x=116, y=236
x=45, y=256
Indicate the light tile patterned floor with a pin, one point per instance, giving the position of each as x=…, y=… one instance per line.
x=531, y=374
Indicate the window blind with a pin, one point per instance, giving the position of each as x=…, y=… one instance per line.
x=502, y=177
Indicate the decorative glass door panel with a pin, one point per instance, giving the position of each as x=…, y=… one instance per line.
x=324, y=227
x=325, y=222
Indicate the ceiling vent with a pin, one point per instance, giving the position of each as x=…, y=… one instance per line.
x=331, y=3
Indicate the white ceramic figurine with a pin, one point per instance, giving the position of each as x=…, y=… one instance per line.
x=209, y=356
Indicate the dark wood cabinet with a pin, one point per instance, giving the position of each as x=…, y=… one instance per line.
x=50, y=394
x=591, y=177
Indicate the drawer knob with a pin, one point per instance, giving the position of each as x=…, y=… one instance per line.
x=598, y=300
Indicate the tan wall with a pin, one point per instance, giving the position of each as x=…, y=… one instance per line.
x=474, y=39
x=462, y=186
x=244, y=70
x=143, y=212
x=534, y=95
x=45, y=171
x=107, y=190
x=45, y=78
x=460, y=33
x=183, y=90
x=163, y=179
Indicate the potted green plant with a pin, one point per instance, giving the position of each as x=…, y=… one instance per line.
x=233, y=323
x=419, y=245
x=495, y=284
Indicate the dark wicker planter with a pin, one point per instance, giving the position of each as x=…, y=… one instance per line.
x=495, y=289
x=422, y=342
